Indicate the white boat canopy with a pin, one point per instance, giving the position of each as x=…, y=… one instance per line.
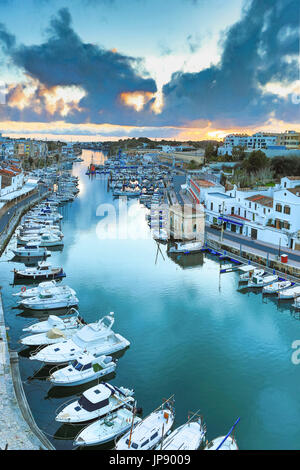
x=246, y=268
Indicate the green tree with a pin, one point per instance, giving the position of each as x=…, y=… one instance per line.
x=257, y=160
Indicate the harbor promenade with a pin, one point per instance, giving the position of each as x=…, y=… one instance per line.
x=18, y=430
x=265, y=250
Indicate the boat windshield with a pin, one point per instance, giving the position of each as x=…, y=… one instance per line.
x=133, y=444
x=77, y=365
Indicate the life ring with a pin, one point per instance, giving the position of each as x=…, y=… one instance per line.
x=23, y=289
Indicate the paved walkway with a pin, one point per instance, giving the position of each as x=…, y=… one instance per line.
x=15, y=433
x=10, y=212
x=257, y=248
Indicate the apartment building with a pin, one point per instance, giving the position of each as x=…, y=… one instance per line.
x=288, y=140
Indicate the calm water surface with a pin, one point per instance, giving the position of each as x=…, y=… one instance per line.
x=225, y=352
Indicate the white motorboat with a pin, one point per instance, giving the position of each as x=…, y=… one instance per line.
x=53, y=336
x=275, y=287
x=248, y=271
x=228, y=444
x=85, y=368
x=31, y=250
x=55, y=322
x=291, y=293
x=95, y=403
x=44, y=240
x=261, y=281
x=96, y=338
x=186, y=247
x=42, y=271
x=52, y=286
x=107, y=428
x=189, y=436
x=148, y=433
x=47, y=300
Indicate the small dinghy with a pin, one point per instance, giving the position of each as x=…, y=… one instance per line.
x=186, y=247
x=95, y=338
x=47, y=300
x=107, y=429
x=95, y=403
x=148, y=433
x=42, y=271
x=189, y=436
x=275, y=287
x=85, y=368
x=55, y=322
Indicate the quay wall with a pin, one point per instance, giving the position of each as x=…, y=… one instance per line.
x=283, y=270
x=18, y=430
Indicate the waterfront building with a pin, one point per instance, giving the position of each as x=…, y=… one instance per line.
x=270, y=215
x=198, y=188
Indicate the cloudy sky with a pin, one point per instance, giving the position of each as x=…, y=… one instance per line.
x=179, y=69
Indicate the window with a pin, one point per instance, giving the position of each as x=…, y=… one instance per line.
x=278, y=208
x=154, y=436
x=287, y=210
x=211, y=206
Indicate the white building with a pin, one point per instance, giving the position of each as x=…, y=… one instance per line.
x=271, y=215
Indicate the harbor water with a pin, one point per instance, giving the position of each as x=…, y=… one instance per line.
x=220, y=350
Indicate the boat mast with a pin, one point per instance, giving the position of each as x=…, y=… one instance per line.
x=228, y=434
x=131, y=428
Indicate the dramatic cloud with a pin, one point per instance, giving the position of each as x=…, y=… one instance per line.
x=262, y=47
x=64, y=60
x=81, y=82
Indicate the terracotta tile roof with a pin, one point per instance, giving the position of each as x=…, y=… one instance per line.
x=293, y=178
x=261, y=199
x=7, y=172
x=295, y=190
x=204, y=183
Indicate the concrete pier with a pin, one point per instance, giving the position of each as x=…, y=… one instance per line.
x=18, y=430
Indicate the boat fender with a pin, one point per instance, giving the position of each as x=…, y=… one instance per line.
x=23, y=289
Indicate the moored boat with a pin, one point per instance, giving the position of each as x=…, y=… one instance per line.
x=186, y=247
x=275, y=287
x=96, y=402
x=148, y=433
x=42, y=271
x=85, y=368
x=47, y=300
x=189, y=436
x=107, y=428
x=261, y=281
x=290, y=293
x=96, y=338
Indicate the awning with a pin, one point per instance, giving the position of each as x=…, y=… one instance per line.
x=231, y=221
